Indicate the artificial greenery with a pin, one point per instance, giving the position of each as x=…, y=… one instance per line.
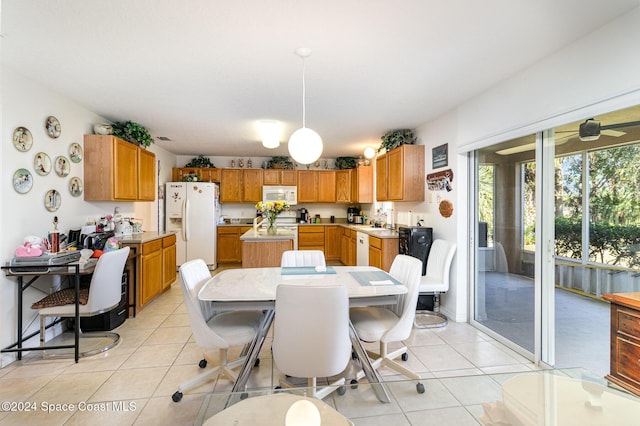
x=394, y=138
x=200, y=161
x=132, y=132
x=345, y=163
x=191, y=177
x=280, y=162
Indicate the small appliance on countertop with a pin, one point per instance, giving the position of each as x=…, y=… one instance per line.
x=352, y=212
x=303, y=215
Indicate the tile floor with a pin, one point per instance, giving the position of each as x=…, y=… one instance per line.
x=157, y=353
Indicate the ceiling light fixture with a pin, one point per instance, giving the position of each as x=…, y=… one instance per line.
x=305, y=145
x=369, y=152
x=270, y=134
x=589, y=130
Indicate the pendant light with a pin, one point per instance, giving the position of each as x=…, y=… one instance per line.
x=305, y=145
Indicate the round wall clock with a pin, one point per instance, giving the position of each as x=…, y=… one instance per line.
x=53, y=127
x=42, y=164
x=22, y=181
x=22, y=139
x=75, y=152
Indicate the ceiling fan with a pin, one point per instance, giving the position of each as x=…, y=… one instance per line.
x=591, y=130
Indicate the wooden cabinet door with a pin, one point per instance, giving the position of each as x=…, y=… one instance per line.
x=375, y=257
x=332, y=242
x=288, y=177
x=228, y=244
x=381, y=178
x=151, y=276
x=271, y=177
x=307, y=186
x=311, y=237
x=252, y=185
x=326, y=186
x=343, y=186
x=147, y=175
x=231, y=186
x=125, y=157
x=169, y=264
x=362, y=184
x=344, y=248
x=395, y=175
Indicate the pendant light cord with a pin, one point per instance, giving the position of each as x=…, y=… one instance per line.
x=303, y=95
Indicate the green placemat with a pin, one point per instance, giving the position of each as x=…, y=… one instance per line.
x=374, y=278
x=305, y=270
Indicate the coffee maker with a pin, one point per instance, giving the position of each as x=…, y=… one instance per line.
x=352, y=212
x=303, y=215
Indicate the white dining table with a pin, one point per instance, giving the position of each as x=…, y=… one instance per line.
x=255, y=288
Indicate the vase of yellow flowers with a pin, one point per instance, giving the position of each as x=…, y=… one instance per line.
x=270, y=210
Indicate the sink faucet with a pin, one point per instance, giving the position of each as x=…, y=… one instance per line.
x=256, y=224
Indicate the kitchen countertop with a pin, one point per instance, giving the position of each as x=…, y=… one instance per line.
x=142, y=237
x=260, y=235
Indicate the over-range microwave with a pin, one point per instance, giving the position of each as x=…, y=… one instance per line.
x=286, y=193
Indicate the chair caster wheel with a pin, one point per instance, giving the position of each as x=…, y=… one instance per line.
x=405, y=356
x=354, y=356
x=176, y=396
x=420, y=388
x=244, y=395
x=257, y=363
x=354, y=384
x=202, y=363
x=342, y=390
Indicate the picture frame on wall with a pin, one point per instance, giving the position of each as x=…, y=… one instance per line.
x=440, y=156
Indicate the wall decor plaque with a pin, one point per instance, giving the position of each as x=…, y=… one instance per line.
x=75, y=152
x=75, y=186
x=53, y=127
x=22, y=139
x=22, y=181
x=52, y=200
x=42, y=164
x=62, y=166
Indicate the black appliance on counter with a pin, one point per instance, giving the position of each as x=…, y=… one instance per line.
x=352, y=212
x=303, y=215
x=416, y=241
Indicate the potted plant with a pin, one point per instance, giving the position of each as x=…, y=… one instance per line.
x=132, y=132
x=200, y=162
x=394, y=138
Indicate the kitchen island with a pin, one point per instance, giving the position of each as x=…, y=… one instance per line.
x=260, y=249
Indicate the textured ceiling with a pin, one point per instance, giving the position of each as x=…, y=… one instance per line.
x=204, y=72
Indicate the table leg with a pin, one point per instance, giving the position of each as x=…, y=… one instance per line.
x=252, y=356
x=77, y=322
x=20, y=291
x=370, y=373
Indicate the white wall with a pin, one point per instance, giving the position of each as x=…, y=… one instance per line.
x=25, y=103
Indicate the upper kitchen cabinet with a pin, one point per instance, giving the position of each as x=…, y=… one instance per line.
x=316, y=186
x=400, y=174
x=279, y=177
x=116, y=170
x=204, y=174
x=355, y=185
x=231, y=184
x=252, y=185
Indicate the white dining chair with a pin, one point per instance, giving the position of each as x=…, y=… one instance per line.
x=393, y=323
x=435, y=282
x=211, y=330
x=104, y=294
x=293, y=258
x=311, y=334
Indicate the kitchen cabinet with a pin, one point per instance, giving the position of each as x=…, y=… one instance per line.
x=229, y=244
x=252, y=185
x=382, y=252
x=354, y=185
x=400, y=174
x=279, y=177
x=168, y=261
x=625, y=341
x=116, y=170
x=348, y=247
x=332, y=242
x=231, y=185
x=204, y=174
x=311, y=237
x=316, y=186
x=155, y=267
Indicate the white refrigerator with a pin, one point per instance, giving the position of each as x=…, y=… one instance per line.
x=192, y=211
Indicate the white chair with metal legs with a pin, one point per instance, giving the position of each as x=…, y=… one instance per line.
x=211, y=330
x=293, y=258
x=435, y=282
x=104, y=294
x=311, y=334
x=393, y=323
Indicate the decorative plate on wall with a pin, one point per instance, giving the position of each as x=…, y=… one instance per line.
x=22, y=139
x=75, y=152
x=22, y=181
x=75, y=186
x=42, y=164
x=62, y=166
x=53, y=127
x=52, y=200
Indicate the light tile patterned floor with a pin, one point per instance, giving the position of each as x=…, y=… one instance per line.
x=134, y=381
